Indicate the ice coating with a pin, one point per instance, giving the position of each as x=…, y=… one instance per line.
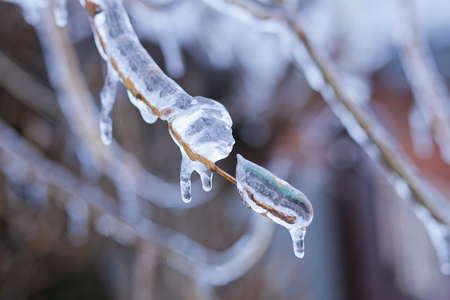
x=201, y=125
x=268, y=195
x=122, y=46
x=206, y=127
x=107, y=97
x=145, y=111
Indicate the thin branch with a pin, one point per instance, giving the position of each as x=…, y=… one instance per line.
x=93, y=9
x=350, y=113
x=429, y=88
x=78, y=107
x=182, y=253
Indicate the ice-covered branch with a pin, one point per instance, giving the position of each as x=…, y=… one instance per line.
x=77, y=105
x=361, y=125
x=428, y=86
x=201, y=127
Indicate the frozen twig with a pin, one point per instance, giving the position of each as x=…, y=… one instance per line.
x=361, y=125
x=78, y=107
x=429, y=88
x=112, y=31
x=201, y=127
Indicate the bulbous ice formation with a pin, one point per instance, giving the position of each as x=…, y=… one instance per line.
x=268, y=195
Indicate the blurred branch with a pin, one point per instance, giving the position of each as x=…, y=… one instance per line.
x=361, y=125
x=182, y=253
x=429, y=88
x=24, y=87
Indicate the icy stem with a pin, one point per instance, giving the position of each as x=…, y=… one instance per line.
x=60, y=12
x=275, y=198
x=205, y=126
x=107, y=97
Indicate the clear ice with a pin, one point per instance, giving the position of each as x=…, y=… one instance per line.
x=107, y=97
x=203, y=124
x=206, y=127
x=268, y=195
x=145, y=111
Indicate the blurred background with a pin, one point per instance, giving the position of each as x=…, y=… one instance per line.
x=79, y=220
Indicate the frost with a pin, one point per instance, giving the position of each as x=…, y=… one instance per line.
x=275, y=198
x=60, y=12
x=107, y=97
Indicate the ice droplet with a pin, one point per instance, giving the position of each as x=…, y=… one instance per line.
x=206, y=178
x=268, y=195
x=298, y=240
x=146, y=112
x=60, y=13
x=107, y=97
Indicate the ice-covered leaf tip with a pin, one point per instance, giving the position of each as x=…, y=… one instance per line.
x=276, y=199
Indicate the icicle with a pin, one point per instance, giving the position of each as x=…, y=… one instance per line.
x=187, y=167
x=206, y=178
x=206, y=127
x=60, y=12
x=185, y=177
x=146, y=112
x=77, y=211
x=107, y=97
x=268, y=195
